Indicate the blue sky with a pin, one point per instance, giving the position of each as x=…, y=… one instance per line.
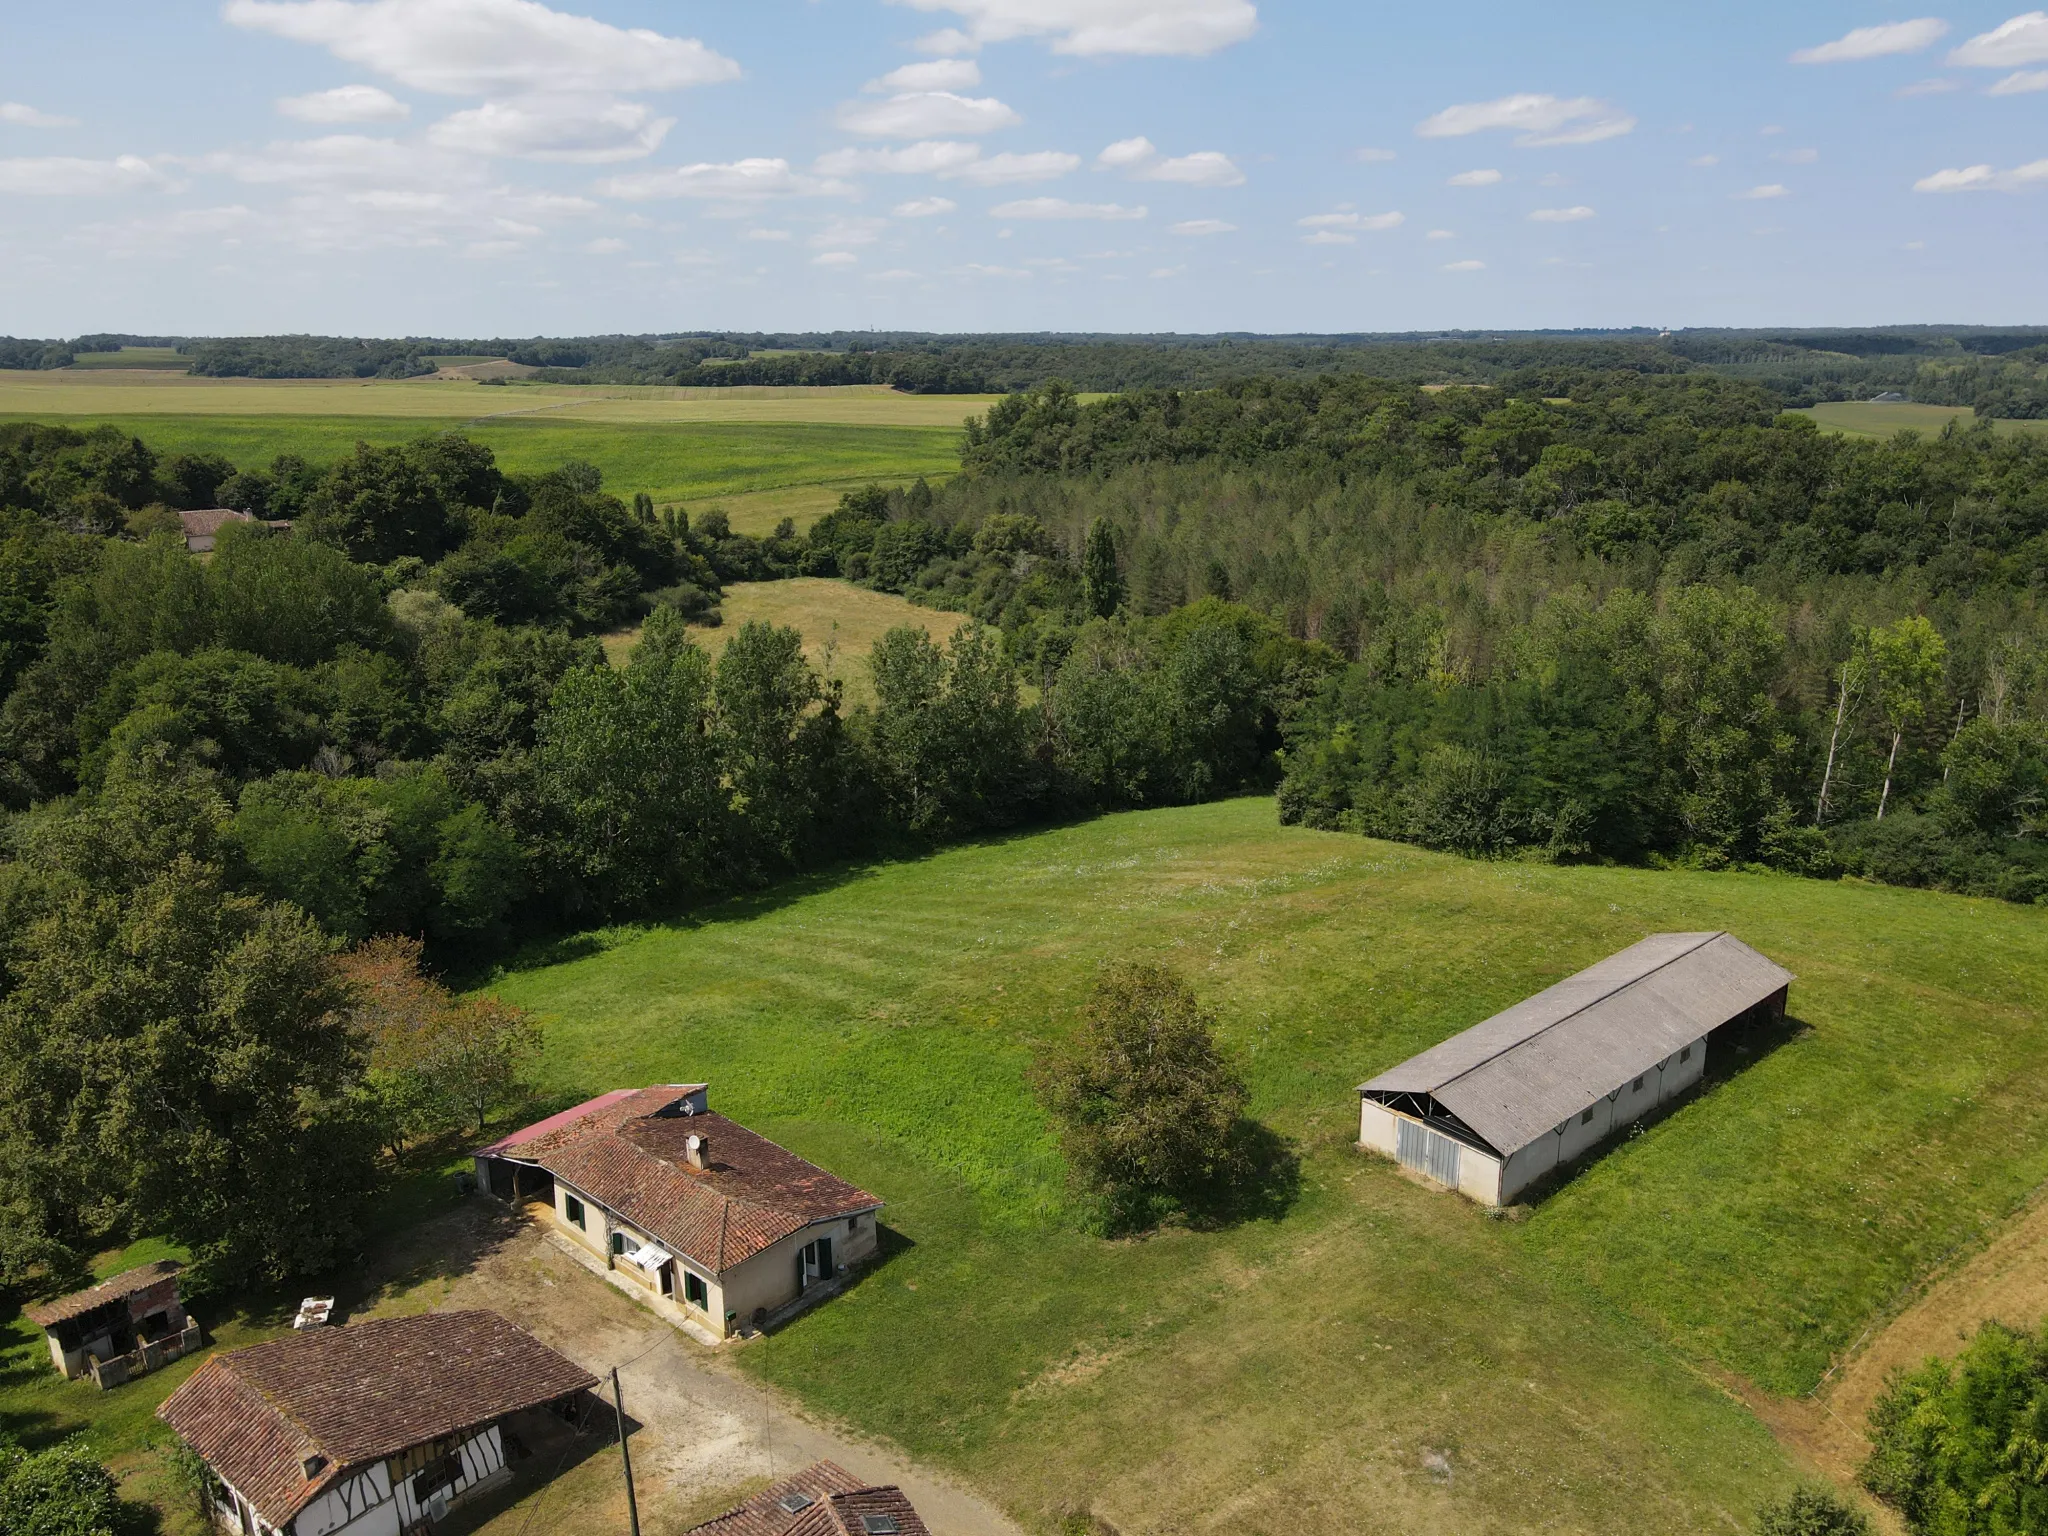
x=507, y=167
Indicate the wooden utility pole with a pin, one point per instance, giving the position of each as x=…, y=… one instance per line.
x=625, y=1454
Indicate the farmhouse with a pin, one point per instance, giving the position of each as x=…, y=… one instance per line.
x=202, y=528
x=370, y=1430
x=822, y=1500
x=120, y=1328
x=1490, y=1111
x=711, y=1224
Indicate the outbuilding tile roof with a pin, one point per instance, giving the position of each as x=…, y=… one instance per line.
x=828, y=1501
x=122, y=1286
x=630, y=1156
x=354, y=1396
x=1516, y=1076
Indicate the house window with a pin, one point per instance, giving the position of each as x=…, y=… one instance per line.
x=618, y=1241
x=1686, y=1054
x=696, y=1292
x=572, y=1210
x=1637, y=1087
x=445, y=1472
x=1586, y=1118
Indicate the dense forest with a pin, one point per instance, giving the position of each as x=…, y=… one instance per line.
x=1997, y=372
x=1576, y=615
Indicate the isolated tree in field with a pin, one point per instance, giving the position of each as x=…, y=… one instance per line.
x=1906, y=662
x=1145, y=1100
x=1102, y=586
x=1811, y=1512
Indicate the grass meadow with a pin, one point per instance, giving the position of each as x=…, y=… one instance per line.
x=1862, y=418
x=795, y=449
x=840, y=624
x=1379, y=1346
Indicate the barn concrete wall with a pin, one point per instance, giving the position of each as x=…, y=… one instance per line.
x=1375, y=1126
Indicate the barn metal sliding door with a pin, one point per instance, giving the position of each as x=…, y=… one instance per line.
x=1425, y=1151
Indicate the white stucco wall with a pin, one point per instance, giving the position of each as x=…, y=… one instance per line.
x=361, y=1505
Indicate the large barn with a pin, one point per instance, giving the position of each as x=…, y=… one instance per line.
x=1490, y=1111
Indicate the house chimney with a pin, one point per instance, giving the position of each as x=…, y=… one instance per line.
x=698, y=1151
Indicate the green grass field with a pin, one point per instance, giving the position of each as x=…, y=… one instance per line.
x=883, y=1021
x=1861, y=418
x=796, y=450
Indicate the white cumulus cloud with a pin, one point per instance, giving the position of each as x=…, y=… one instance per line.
x=487, y=47
x=1934, y=87
x=2020, y=83
x=835, y=259
x=1204, y=227
x=1465, y=266
x=1893, y=37
x=1348, y=220
x=345, y=104
x=1475, y=179
x=926, y=115
x=936, y=75
x=1126, y=153
x=1441, y=234
x=21, y=115
x=1007, y=169
x=1091, y=28
x=1329, y=237
x=1561, y=215
x=61, y=176
x=1766, y=194
x=2021, y=41
x=1060, y=208
x=605, y=247
x=569, y=130
x=1537, y=121
x=924, y=208
x=1373, y=156
x=1983, y=178
x=929, y=157
x=1140, y=159
x=733, y=181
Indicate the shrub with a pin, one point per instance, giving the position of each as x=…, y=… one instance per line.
x=1146, y=1102
x=1811, y=1512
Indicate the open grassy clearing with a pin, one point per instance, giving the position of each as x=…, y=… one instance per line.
x=840, y=624
x=133, y=357
x=1861, y=418
x=883, y=1021
x=757, y=512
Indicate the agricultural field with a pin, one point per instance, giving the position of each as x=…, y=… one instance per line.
x=1862, y=418
x=1367, y=1343
x=840, y=624
x=678, y=445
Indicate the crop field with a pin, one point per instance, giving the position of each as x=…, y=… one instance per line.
x=676, y=445
x=1374, y=1346
x=1861, y=418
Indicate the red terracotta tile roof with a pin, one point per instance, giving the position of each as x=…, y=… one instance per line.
x=765, y=1514
x=828, y=1500
x=355, y=1396
x=78, y=1303
x=630, y=1157
x=541, y=1128
x=209, y=521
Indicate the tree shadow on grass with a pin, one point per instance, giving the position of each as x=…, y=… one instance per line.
x=1259, y=1179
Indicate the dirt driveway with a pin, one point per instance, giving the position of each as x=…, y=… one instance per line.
x=708, y=1436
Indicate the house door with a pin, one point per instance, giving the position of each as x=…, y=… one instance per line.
x=813, y=1263
x=668, y=1279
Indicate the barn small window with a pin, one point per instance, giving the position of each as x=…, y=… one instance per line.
x=1637, y=1086
x=572, y=1209
x=1586, y=1118
x=1686, y=1054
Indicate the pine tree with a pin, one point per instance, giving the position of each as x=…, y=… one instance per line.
x=1102, y=587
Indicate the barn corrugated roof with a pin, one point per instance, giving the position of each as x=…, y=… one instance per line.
x=1518, y=1075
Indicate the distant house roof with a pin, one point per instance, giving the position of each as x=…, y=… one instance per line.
x=122, y=1286
x=202, y=528
x=1516, y=1076
x=628, y=1152
x=822, y=1500
x=351, y=1397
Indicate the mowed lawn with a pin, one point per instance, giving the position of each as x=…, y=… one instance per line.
x=1382, y=1354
